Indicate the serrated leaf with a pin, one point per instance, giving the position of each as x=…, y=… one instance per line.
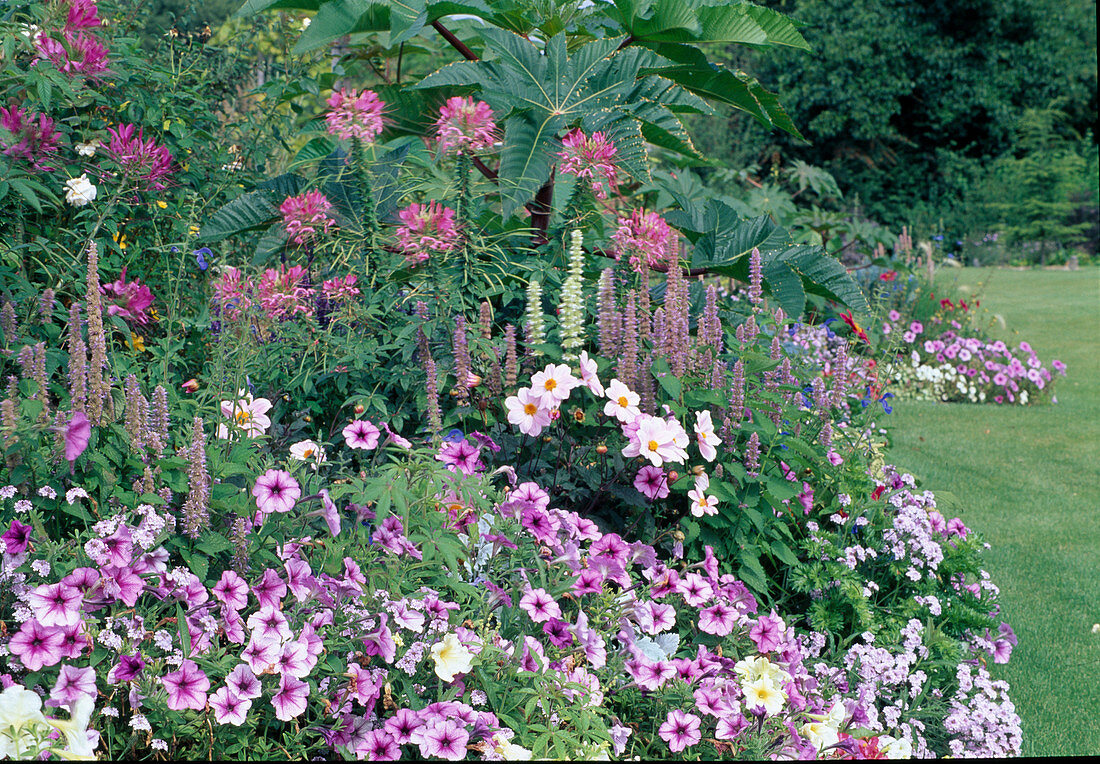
x=526, y=158
x=342, y=17
x=407, y=18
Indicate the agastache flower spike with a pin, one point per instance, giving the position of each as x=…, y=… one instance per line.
x=511, y=357
x=534, y=323
x=610, y=319
x=572, y=301
x=756, y=290
x=196, y=509
x=462, y=358
x=752, y=455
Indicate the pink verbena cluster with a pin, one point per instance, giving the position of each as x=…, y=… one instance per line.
x=33, y=137
x=304, y=214
x=646, y=239
x=355, y=114
x=465, y=125
x=427, y=228
x=590, y=158
x=140, y=159
x=128, y=299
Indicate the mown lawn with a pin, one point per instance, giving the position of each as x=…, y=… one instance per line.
x=1028, y=479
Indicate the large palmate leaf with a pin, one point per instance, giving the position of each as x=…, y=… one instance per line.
x=723, y=243
x=543, y=92
x=697, y=21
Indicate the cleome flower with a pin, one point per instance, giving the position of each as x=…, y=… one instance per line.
x=426, y=229
x=590, y=158
x=141, y=160
x=465, y=125
x=354, y=114
x=646, y=240
x=304, y=214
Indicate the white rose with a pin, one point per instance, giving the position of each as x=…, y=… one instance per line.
x=80, y=191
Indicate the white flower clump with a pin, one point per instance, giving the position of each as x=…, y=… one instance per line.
x=80, y=191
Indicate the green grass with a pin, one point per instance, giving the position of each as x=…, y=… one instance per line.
x=1027, y=479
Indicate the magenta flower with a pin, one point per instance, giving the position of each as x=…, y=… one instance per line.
x=229, y=708
x=377, y=745
x=303, y=214
x=80, y=53
x=128, y=299
x=186, y=687
x=651, y=482
x=33, y=136
x=16, y=538
x=270, y=589
x=445, y=739
x=680, y=730
x=646, y=240
x=590, y=158
x=243, y=683
x=232, y=293
x=72, y=684
x=380, y=641
x=82, y=14
x=269, y=626
x=276, y=491
x=261, y=655
x=340, y=290
x=461, y=456
x=558, y=633
x=717, y=619
x=77, y=435
x=538, y=604
x=361, y=434
x=465, y=125
x=140, y=159
x=402, y=725
x=37, y=645
x=128, y=668
x=354, y=114
x=766, y=632
x=282, y=294
x=290, y=700
x=426, y=229
x=231, y=590
x=56, y=604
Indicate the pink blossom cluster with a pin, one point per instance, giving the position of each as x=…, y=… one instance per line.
x=355, y=114
x=465, y=125
x=129, y=299
x=426, y=229
x=77, y=51
x=140, y=159
x=304, y=214
x=590, y=158
x=281, y=293
x=646, y=240
x=338, y=290
x=33, y=137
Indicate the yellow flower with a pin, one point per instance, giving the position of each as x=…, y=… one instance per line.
x=137, y=342
x=162, y=204
x=120, y=240
x=451, y=657
x=193, y=230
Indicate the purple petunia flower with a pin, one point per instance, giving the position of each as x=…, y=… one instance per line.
x=290, y=700
x=77, y=434
x=276, y=491
x=129, y=667
x=461, y=456
x=445, y=739
x=16, y=538
x=72, y=684
x=228, y=707
x=377, y=745
x=651, y=482
x=186, y=687
x=231, y=590
x=56, y=604
x=717, y=619
x=539, y=605
x=37, y=645
x=766, y=632
x=680, y=730
x=557, y=631
x=361, y=434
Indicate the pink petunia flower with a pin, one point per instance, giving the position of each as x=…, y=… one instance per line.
x=377, y=745
x=56, y=604
x=304, y=214
x=72, y=684
x=229, y=708
x=355, y=114
x=37, y=645
x=445, y=739
x=538, y=604
x=186, y=687
x=680, y=730
x=243, y=683
x=276, y=491
x=361, y=434
x=77, y=435
x=465, y=125
x=718, y=620
x=590, y=158
x=290, y=701
x=461, y=456
x=426, y=229
x=231, y=590
x=651, y=482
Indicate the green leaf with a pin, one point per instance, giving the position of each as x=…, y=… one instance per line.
x=24, y=190
x=245, y=213
x=526, y=159
x=784, y=553
x=252, y=7
x=407, y=18
x=342, y=17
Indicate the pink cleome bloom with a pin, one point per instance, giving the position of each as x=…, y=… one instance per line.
x=33, y=137
x=282, y=293
x=81, y=14
x=129, y=299
x=591, y=158
x=646, y=239
x=465, y=125
x=355, y=115
x=80, y=53
x=231, y=293
x=140, y=159
x=303, y=214
x=427, y=228
x=340, y=290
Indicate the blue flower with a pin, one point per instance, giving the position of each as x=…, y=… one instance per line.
x=938, y=237
x=200, y=257
x=828, y=329
x=886, y=406
x=792, y=330
x=454, y=436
